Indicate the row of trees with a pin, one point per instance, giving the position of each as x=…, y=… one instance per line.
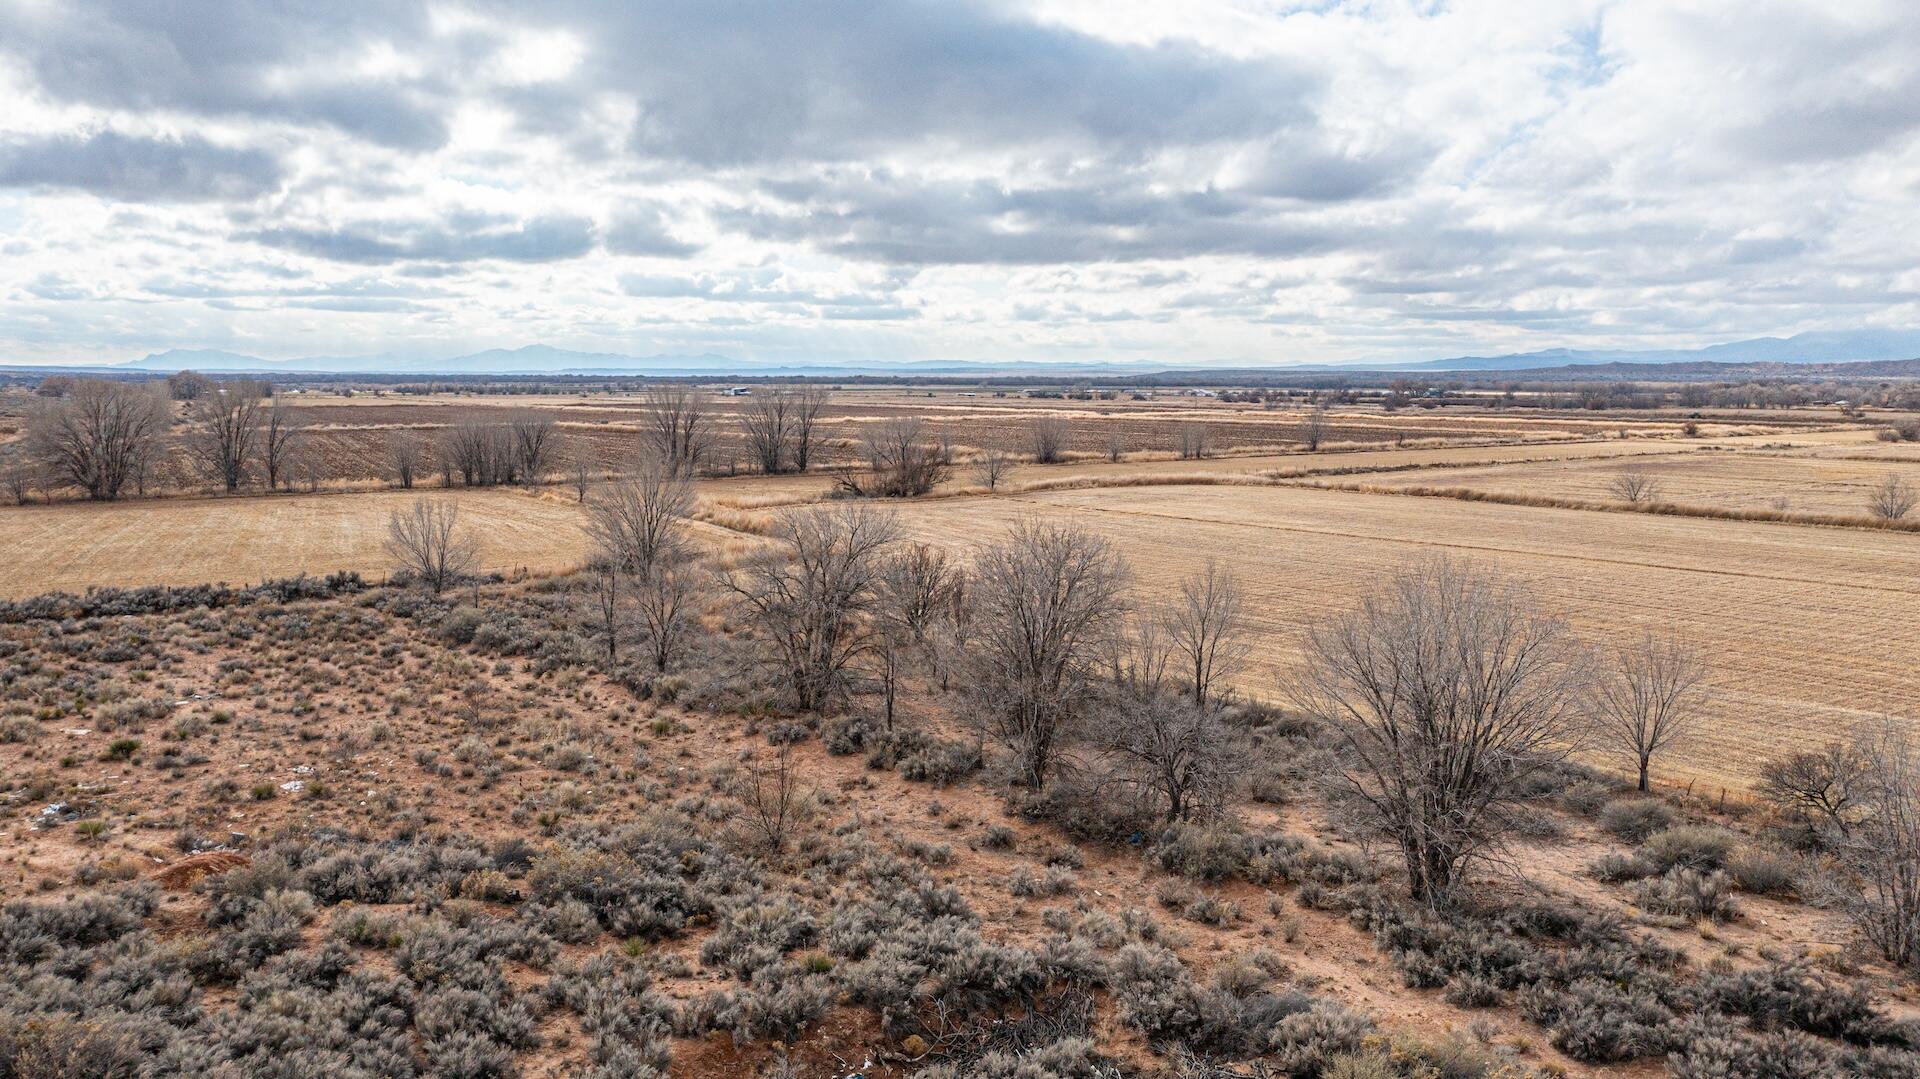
x=107, y=437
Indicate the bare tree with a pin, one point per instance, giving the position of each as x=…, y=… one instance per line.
x=1207, y=631
x=532, y=440
x=579, y=467
x=1045, y=603
x=992, y=467
x=1891, y=499
x=282, y=436
x=1313, y=428
x=1179, y=750
x=901, y=462
x=100, y=436
x=480, y=451
x=1882, y=851
x=807, y=404
x=914, y=589
x=427, y=541
x=226, y=423
x=1650, y=700
x=774, y=802
x=1826, y=785
x=663, y=606
x=917, y=587
x=1116, y=444
x=766, y=423
x=637, y=520
x=810, y=599
x=403, y=457
x=603, y=589
x=1634, y=484
x=1193, y=440
x=1451, y=691
x=1047, y=439
x=19, y=476
x=189, y=385
x=677, y=425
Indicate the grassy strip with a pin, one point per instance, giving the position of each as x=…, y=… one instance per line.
x=1657, y=509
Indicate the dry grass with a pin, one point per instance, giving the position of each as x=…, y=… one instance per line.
x=1745, y=485
x=1655, y=508
x=71, y=546
x=1807, y=630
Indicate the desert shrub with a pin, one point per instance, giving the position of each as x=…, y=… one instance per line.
x=1475, y=991
x=440, y=952
x=1067, y=1058
x=1056, y=880
x=1721, y=1052
x=998, y=837
x=1763, y=872
x=461, y=623
x=1688, y=893
x=779, y=1004
x=1209, y=852
x=639, y=889
x=847, y=734
x=1614, y=868
x=629, y=1022
x=271, y=926
x=1599, y=1022
x=752, y=935
x=1158, y=997
x=1306, y=1042
x=67, y=1047
x=1634, y=819
x=940, y=761
x=1792, y=996
x=1699, y=847
x=161, y=599
x=1087, y=813
x=1404, y=1058
x=31, y=930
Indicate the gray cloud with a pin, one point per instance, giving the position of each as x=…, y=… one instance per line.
x=823, y=81
x=893, y=219
x=642, y=230
x=137, y=169
x=759, y=286
x=220, y=58
x=461, y=239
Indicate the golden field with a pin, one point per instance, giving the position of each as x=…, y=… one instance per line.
x=1791, y=483
x=1806, y=629
x=71, y=546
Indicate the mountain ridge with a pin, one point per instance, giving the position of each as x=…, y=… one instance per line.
x=1817, y=347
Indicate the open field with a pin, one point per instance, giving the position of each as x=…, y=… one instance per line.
x=70, y=546
x=1724, y=481
x=1805, y=630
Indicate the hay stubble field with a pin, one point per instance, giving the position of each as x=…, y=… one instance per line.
x=1805, y=629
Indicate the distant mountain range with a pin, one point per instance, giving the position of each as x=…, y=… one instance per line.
x=1805, y=348
x=546, y=360
x=1820, y=347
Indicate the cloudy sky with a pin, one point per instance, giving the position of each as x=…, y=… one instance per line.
x=1209, y=180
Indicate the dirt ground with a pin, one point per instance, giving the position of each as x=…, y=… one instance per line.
x=339, y=736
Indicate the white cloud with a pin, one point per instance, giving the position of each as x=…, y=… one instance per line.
x=1232, y=181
